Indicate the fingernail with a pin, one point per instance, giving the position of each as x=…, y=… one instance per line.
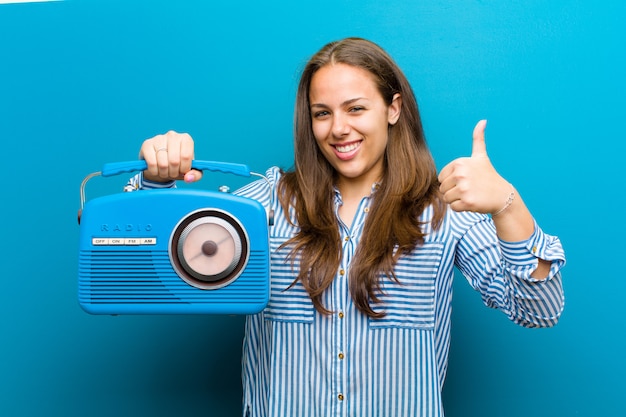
x=189, y=177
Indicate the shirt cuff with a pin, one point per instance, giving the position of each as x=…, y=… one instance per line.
x=522, y=257
x=138, y=182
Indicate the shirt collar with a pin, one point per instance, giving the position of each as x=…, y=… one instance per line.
x=375, y=187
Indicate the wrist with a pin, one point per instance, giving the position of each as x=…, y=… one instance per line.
x=507, y=203
x=512, y=219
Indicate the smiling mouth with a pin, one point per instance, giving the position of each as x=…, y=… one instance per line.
x=348, y=147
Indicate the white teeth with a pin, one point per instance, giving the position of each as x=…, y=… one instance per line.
x=347, y=148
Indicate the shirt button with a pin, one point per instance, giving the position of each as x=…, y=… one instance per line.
x=341, y=355
x=340, y=397
x=342, y=272
x=534, y=249
x=340, y=314
x=347, y=238
x=366, y=209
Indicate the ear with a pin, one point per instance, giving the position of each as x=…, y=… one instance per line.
x=393, y=112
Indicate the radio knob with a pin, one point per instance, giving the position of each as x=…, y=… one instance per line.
x=209, y=248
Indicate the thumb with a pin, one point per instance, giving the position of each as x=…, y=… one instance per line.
x=193, y=176
x=478, y=145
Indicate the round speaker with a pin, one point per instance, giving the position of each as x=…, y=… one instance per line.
x=209, y=248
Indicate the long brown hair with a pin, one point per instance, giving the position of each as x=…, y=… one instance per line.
x=409, y=185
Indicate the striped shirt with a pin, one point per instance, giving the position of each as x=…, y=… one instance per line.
x=298, y=362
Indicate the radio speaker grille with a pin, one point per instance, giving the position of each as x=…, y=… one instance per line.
x=147, y=277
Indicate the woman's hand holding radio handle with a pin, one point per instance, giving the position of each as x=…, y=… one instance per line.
x=169, y=157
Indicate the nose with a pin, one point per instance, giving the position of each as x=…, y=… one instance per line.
x=341, y=127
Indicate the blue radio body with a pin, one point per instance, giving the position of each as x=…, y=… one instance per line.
x=173, y=251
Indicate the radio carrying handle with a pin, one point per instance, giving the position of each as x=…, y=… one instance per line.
x=115, y=168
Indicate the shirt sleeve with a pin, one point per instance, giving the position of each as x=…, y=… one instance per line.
x=501, y=272
x=138, y=182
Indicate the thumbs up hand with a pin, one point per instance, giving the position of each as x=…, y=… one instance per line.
x=472, y=183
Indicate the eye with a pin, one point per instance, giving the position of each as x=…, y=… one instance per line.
x=356, y=109
x=320, y=114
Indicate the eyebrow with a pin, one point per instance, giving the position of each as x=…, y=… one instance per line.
x=345, y=103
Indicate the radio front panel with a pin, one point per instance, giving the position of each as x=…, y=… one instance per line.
x=173, y=252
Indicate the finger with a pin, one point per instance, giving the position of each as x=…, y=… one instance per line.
x=450, y=169
x=444, y=173
x=446, y=185
x=458, y=205
x=162, y=150
x=169, y=160
x=181, y=159
x=478, y=144
x=193, y=176
x=148, y=154
x=460, y=199
x=186, y=153
x=454, y=198
x=452, y=173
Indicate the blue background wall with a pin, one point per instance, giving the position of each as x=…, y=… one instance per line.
x=84, y=82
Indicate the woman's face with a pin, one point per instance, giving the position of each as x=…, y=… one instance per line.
x=350, y=122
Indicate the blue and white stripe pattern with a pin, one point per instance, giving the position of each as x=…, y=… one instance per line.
x=297, y=362
x=138, y=182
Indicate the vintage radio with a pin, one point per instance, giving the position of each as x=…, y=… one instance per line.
x=173, y=251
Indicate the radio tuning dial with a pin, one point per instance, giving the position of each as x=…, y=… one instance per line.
x=209, y=249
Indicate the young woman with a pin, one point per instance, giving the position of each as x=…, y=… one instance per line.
x=365, y=241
